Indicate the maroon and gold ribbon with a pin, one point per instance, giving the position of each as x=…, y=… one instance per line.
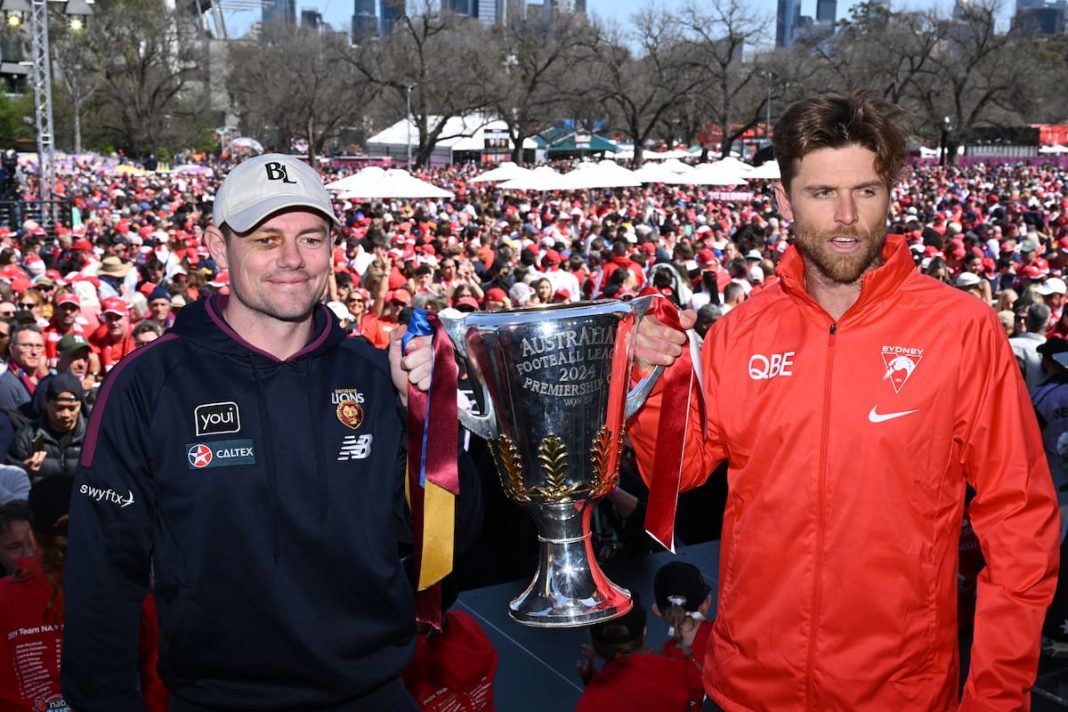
x=432, y=424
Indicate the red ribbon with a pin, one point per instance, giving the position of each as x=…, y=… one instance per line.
x=670, y=439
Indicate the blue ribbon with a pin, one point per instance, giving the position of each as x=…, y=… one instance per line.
x=419, y=325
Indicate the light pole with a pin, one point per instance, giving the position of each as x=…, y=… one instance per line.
x=41, y=77
x=943, y=153
x=767, y=121
x=408, y=119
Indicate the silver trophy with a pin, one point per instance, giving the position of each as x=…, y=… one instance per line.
x=555, y=387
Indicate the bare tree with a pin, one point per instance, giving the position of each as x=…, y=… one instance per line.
x=74, y=65
x=639, y=90
x=974, y=76
x=431, y=61
x=294, y=86
x=879, y=49
x=718, y=31
x=149, y=61
x=529, y=79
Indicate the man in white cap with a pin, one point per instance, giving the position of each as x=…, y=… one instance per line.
x=248, y=460
x=1053, y=291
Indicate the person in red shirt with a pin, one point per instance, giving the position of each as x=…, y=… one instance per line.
x=634, y=679
x=66, y=320
x=113, y=339
x=31, y=616
x=364, y=323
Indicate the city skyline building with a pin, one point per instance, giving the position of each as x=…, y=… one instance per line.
x=364, y=20
x=392, y=11
x=278, y=12
x=786, y=21
x=826, y=11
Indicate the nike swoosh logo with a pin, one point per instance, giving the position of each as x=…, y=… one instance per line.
x=874, y=417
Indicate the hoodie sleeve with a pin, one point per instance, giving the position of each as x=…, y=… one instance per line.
x=1015, y=516
x=109, y=553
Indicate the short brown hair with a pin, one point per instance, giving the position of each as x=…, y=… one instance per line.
x=836, y=121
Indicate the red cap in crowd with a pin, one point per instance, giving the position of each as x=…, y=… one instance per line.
x=114, y=305
x=68, y=298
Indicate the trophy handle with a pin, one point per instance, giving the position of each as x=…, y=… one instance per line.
x=484, y=426
x=637, y=395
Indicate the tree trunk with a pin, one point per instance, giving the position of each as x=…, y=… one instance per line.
x=309, y=133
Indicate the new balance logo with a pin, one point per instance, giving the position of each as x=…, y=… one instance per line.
x=355, y=447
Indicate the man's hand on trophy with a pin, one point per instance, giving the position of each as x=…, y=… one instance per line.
x=659, y=345
x=413, y=365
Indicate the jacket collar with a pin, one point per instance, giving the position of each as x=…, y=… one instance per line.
x=875, y=286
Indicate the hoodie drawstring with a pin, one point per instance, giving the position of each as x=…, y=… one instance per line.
x=317, y=435
x=268, y=448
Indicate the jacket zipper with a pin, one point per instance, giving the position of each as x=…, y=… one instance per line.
x=821, y=485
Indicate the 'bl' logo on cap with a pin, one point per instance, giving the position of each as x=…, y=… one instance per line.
x=277, y=171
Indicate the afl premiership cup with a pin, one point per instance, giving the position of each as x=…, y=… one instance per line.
x=555, y=383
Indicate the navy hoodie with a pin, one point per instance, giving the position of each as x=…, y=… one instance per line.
x=266, y=498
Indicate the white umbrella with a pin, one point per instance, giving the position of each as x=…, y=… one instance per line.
x=676, y=166
x=658, y=173
x=505, y=171
x=606, y=174
x=676, y=154
x=710, y=174
x=540, y=179
x=765, y=171
x=373, y=183
x=733, y=164
x=246, y=143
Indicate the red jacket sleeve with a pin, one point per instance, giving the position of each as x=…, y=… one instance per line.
x=1015, y=516
x=702, y=453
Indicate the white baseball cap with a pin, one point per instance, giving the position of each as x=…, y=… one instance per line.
x=1053, y=285
x=263, y=185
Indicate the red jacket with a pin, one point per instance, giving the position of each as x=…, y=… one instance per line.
x=642, y=682
x=850, y=445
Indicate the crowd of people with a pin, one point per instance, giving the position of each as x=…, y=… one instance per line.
x=76, y=300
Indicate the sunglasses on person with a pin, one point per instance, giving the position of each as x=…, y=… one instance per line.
x=354, y=300
x=27, y=305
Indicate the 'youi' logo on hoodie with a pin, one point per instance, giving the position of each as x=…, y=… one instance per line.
x=217, y=418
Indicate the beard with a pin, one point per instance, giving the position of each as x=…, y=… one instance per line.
x=840, y=267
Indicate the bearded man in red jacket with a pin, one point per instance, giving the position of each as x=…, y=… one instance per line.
x=885, y=395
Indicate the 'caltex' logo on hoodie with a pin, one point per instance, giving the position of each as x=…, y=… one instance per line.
x=223, y=453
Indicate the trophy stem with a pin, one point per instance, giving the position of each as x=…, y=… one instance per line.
x=569, y=589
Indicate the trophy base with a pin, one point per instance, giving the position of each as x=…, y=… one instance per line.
x=569, y=590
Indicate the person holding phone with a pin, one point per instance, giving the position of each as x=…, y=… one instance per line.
x=51, y=444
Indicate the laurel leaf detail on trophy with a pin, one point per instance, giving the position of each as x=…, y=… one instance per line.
x=552, y=454
x=511, y=470
x=604, y=479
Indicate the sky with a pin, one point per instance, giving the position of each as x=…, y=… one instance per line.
x=338, y=13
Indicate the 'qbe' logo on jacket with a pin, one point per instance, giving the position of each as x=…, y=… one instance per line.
x=900, y=362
